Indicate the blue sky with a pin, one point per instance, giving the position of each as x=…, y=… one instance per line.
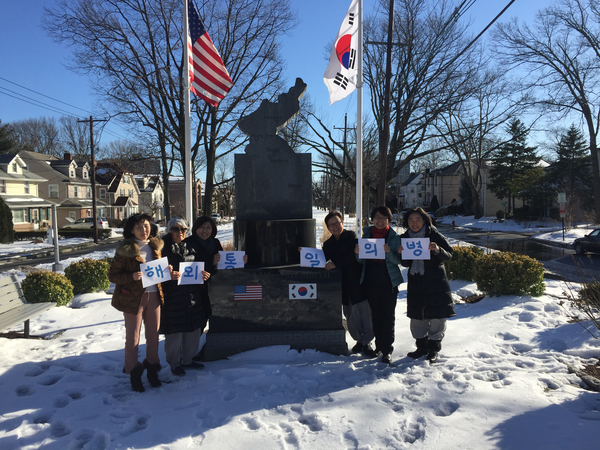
x=31, y=59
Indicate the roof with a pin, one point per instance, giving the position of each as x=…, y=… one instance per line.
x=122, y=201
x=25, y=201
x=411, y=178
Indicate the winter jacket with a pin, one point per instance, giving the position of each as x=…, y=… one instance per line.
x=341, y=253
x=128, y=292
x=183, y=309
x=392, y=258
x=429, y=296
x=202, y=254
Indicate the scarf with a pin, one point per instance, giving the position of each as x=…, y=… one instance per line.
x=380, y=234
x=417, y=266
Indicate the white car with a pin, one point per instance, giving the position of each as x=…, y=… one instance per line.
x=216, y=217
x=87, y=223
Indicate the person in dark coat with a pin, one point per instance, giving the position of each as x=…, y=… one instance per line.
x=206, y=247
x=183, y=315
x=339, y=252
x=429, y=299
x=380, y=279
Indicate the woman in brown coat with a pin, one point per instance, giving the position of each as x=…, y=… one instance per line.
x=137, y=303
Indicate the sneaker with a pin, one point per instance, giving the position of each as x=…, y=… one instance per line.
x=369, y=352
x=386, y=358
x=193, y=366
x=178, y=371
x=358, y=348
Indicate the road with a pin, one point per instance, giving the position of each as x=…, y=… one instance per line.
x=45, y=257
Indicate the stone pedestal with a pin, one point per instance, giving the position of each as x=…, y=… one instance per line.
x=295, y=306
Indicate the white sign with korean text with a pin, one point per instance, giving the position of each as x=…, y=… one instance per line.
x=371, y=248
x=191, y=273
x=155, y=272
x=415, y=248
x=231, y=260
x=312, y=257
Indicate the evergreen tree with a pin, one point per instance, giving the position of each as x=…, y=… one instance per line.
x=7, y=139
x=512, y=158
x=7, y=233
x=572, y=172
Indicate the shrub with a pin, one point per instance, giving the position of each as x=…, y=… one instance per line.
x=463, y=262
x=7, y=233
x=41, y=287
x=507, y=273
x=554, y=213
x=88, y=275
x=500, y=214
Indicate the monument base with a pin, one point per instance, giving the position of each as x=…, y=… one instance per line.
x=289, y=305
x=222, y=345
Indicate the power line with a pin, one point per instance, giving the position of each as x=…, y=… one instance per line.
x=43, y=95
x=35, y=103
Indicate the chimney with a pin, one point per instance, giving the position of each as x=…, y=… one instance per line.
x=68, y=157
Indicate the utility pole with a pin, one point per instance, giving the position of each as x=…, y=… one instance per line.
x=385, y=132
x=344, y=163
x=93, y=178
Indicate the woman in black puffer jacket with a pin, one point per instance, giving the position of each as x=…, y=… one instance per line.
x=428, y=296
x=183, y=314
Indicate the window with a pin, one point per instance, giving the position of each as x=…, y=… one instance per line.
x=72, y=173
x=89, y=213
x=122, y=192
x=130, y=193
x=2, y=186
x=85, y=174
x=76, y=191
x=18, y=216
x=53, y=190
x=102, y=193
x=14, y=167
x=72, y=214
x=125, y=179
x=26, y=187
x=88, y=193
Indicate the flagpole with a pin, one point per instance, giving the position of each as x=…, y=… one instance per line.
x=187, y=163
x=359, y=150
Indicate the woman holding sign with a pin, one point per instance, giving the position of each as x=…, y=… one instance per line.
x=182, y=317
x=380, y=279
x=429, y=300
x=137, y=303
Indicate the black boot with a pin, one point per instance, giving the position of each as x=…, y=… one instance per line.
x=135, y=376
x=421, y=348
x=152, y=373
x=433, y=348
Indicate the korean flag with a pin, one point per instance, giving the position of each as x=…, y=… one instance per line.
x=302, y=291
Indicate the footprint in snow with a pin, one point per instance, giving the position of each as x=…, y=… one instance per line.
x=252, y=423
x=96, y=439
x=414, y=430
x=135, y=424
x=24, y=391
x=61, y=401
x=59, y=429
x=312, y=421
x=35, y=371
x=230, y=395
x=50, y=380
x=446, y=409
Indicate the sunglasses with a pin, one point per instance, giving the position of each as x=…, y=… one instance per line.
x=179, y=230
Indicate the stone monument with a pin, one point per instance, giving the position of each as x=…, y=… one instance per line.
x=274, y=301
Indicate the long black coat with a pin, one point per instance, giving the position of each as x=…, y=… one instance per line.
x=341, y=253
x=183, y=310
x=428, y=296
x=206, y=256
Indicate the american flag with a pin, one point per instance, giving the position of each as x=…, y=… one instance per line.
x=209, y=78
x=247, y=292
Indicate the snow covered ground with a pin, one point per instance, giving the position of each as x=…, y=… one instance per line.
x=502, y=382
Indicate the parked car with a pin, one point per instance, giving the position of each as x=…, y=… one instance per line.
x=87, y=223
x=588, y=243
x=216, y=217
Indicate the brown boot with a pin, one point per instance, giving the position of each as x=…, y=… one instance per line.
x=152, y=373
x=135, y=376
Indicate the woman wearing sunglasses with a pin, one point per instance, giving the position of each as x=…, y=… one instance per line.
x=183, y=313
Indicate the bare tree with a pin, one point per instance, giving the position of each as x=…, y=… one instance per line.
x=75, y=137
x=136, y=47
x=562, y=52
x=431, y=74
x=40, y=135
